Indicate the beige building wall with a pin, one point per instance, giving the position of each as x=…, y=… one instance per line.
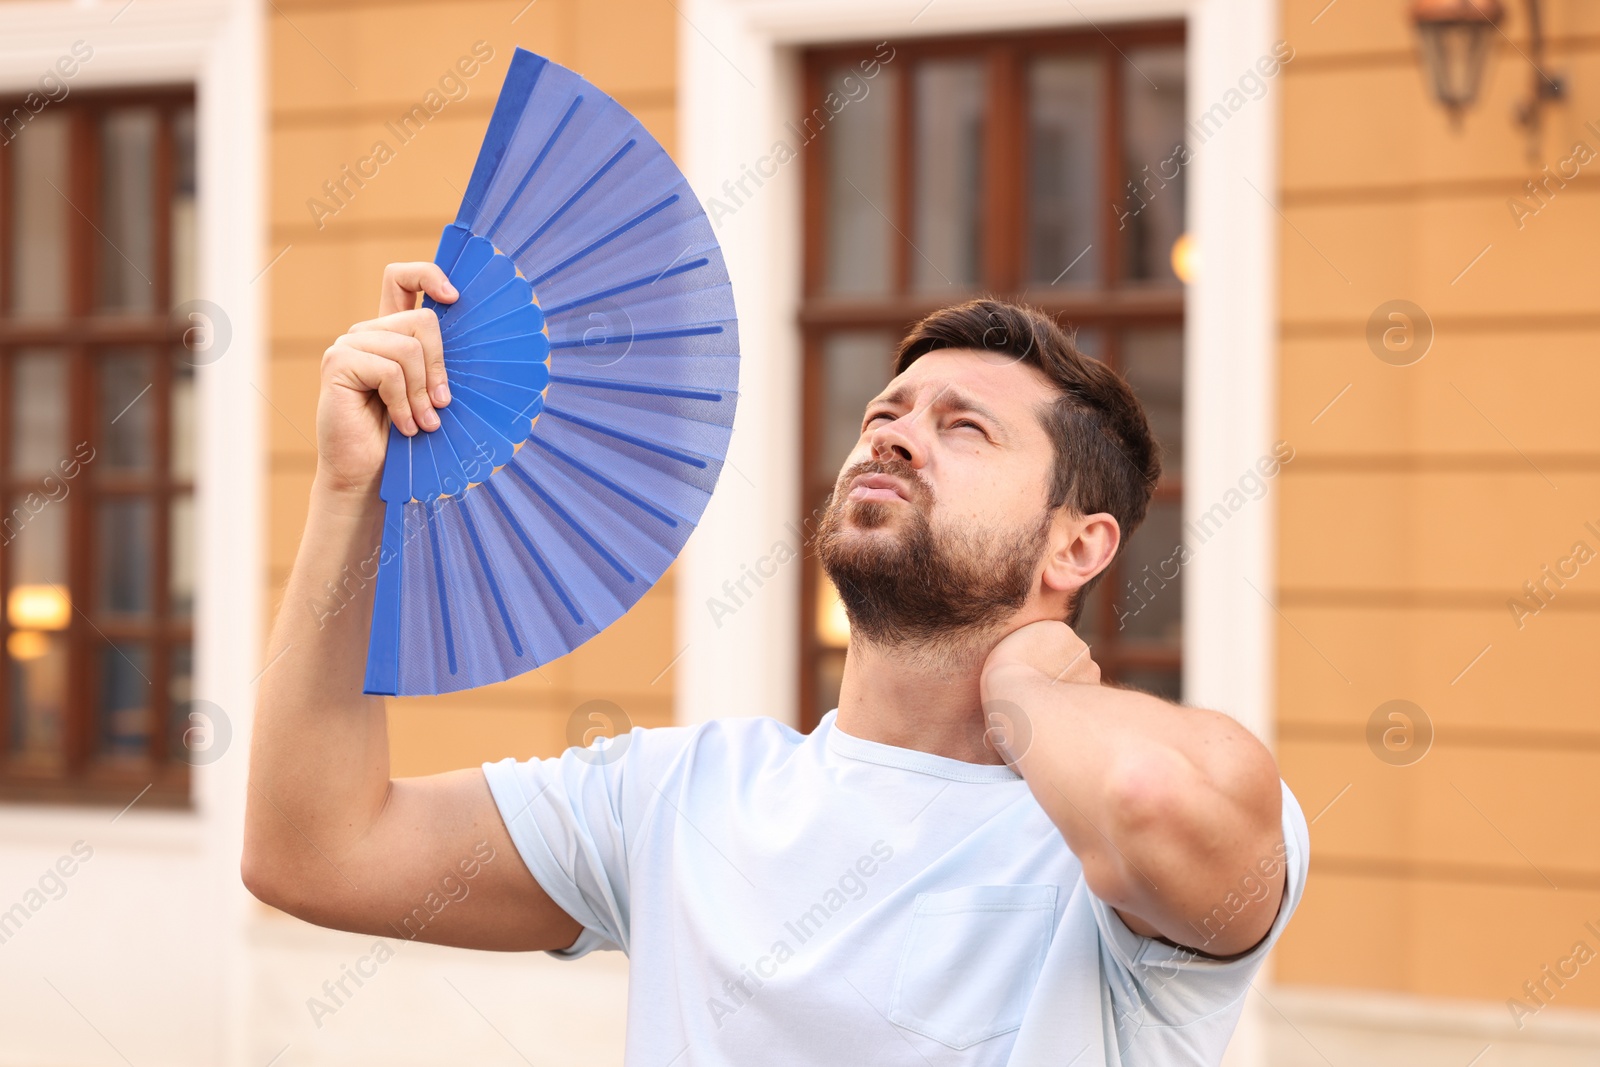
x=1420, y=501
x=340, y=75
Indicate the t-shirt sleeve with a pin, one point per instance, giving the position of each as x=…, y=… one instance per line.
x=574, y=818
x=1169, y=998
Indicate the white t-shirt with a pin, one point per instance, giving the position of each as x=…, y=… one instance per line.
x=822, y=899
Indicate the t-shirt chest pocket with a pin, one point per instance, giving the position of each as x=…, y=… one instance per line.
x=971, y=959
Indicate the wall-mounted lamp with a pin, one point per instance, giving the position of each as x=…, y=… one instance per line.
x=1456, y=38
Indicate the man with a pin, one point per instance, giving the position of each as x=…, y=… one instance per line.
x=982, y=856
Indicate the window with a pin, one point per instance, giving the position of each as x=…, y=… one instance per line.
x=1045, y=168
x=97, y=246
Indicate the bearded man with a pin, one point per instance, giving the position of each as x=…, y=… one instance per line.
x=982, y=856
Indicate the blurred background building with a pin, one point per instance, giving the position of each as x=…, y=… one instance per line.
x=1343, y=249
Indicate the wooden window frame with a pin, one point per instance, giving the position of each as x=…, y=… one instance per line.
x=1110, y=308
x=160, y=779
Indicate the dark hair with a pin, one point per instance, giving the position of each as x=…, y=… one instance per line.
x=1105, y=457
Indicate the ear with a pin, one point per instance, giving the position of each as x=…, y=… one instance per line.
x=1081, y=546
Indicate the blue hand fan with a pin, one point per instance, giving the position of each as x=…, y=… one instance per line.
x=593, y=361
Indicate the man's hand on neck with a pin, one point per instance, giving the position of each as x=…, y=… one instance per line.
x=1166, y=806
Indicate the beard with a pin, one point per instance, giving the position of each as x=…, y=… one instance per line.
x=915, y=586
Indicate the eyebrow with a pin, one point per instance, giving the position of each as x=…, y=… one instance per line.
x=949, y=398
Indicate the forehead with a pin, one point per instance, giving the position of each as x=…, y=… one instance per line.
x=1010, y=389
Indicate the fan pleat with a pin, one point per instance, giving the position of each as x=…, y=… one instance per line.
x=494, y=586
x=582, y=190
x=512, y=296
x=604, y=239
x=665, y=511
x=533, y=168
x=599, y=479
x=524, y=323
x=569, y=607
x=441, y=585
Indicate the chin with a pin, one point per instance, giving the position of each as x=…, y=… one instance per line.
x=869, y=514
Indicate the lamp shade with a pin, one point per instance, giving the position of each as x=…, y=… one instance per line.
x=1455, y=40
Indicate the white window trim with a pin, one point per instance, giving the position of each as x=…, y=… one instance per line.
x=213, y=44
x=738, y=73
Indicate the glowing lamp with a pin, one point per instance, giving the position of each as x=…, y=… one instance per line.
x=25, y=645
x=38, y=607
x=1186, y=259
x=833, y=625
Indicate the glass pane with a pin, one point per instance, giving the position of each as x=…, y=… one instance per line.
x=38, y=413
x=180, y=556
x=1090, y=341
x=855, y=368
x=1150, y=600
x=124, y=699
x=180, y=689
x=127, y=413
x=123, y=535
x=40, y=215
x=183, y=420
x=860, y=153
x=1153, y=161
x=38, y=674
x=38, y=611
x=126, y=248
x=36, y=528
x=1065, y=105
x=184, y=268
x=1152, y=361
x=948, y=124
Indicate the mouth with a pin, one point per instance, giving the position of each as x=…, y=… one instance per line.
x=875, y=487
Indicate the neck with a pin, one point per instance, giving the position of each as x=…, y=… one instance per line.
x=919, y=696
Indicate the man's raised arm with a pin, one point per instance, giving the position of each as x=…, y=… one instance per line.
x=329, y=836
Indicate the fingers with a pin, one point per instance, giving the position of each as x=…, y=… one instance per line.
x=403, y=281
x=407, y=353
x=423, y=325
x=367, y=372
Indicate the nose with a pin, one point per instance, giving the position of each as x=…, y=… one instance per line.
x=889, y=439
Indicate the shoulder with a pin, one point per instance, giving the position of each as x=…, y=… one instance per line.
x=727, y=744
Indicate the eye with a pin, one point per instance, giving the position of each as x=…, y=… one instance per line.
x=967, y=422
x=876, y=415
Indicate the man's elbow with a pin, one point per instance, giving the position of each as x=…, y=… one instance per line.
x=257, y=873
x=270, y=877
